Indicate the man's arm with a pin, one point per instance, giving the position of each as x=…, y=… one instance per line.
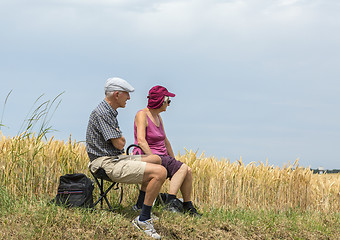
x=119, y=143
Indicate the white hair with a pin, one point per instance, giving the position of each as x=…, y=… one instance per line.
x=110, y=93
x=166, y=98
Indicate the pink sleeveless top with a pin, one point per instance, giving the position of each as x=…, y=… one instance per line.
x=154, y=136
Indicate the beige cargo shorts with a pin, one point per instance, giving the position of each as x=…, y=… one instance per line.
x=121, y=168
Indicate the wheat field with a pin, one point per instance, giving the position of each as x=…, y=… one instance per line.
x=31, y=167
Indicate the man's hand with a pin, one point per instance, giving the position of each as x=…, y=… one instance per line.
x=119, y=143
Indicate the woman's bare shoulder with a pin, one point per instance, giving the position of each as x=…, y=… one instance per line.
x=141, y=116
x=142, y=113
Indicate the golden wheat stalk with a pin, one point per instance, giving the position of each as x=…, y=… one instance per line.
x=31, y=167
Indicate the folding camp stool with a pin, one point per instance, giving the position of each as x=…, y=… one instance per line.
x=99, y=177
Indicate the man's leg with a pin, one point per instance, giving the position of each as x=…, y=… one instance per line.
x=154, y=177
x=155, y=159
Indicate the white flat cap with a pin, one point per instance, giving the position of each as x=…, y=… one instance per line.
x=117, y=84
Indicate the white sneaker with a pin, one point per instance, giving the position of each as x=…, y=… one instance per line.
x=147, y=227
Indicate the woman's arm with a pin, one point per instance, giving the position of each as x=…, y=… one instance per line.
x=141, y=124
x=167, y=142
x=169, y=148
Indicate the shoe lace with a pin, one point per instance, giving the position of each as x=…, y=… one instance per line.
x=149, y=224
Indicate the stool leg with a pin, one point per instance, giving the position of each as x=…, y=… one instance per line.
x=103, y=195
x=101, y=192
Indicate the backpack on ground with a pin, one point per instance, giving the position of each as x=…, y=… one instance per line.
x=75, y=190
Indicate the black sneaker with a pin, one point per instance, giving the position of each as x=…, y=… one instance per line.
x=174, y=205
x=161, y=199
x=192, y=211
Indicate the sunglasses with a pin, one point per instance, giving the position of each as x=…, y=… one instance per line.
x=167, y=100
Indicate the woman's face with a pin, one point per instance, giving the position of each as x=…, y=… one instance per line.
x=166, y=103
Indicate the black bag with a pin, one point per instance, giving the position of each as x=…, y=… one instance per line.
x=75, y=190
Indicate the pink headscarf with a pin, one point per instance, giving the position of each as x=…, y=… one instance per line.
x=156, y=96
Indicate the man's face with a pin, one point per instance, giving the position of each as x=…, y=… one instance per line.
x=122, y=98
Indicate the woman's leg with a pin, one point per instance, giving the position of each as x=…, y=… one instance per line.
x=178, y=179
x=186, y=187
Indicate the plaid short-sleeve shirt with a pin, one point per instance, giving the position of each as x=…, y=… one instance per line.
x=102, y=127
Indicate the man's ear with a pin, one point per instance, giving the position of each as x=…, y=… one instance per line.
x=116, y=94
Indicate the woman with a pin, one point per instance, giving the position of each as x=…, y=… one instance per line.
x=150, y=136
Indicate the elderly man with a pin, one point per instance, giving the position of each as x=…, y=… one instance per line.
x=105, y=147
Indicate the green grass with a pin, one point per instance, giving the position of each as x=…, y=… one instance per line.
x=21, y=218
x=26, y=214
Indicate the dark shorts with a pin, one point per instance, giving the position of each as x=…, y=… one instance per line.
x=171, y=164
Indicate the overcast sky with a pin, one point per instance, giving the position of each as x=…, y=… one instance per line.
x=258, y=79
